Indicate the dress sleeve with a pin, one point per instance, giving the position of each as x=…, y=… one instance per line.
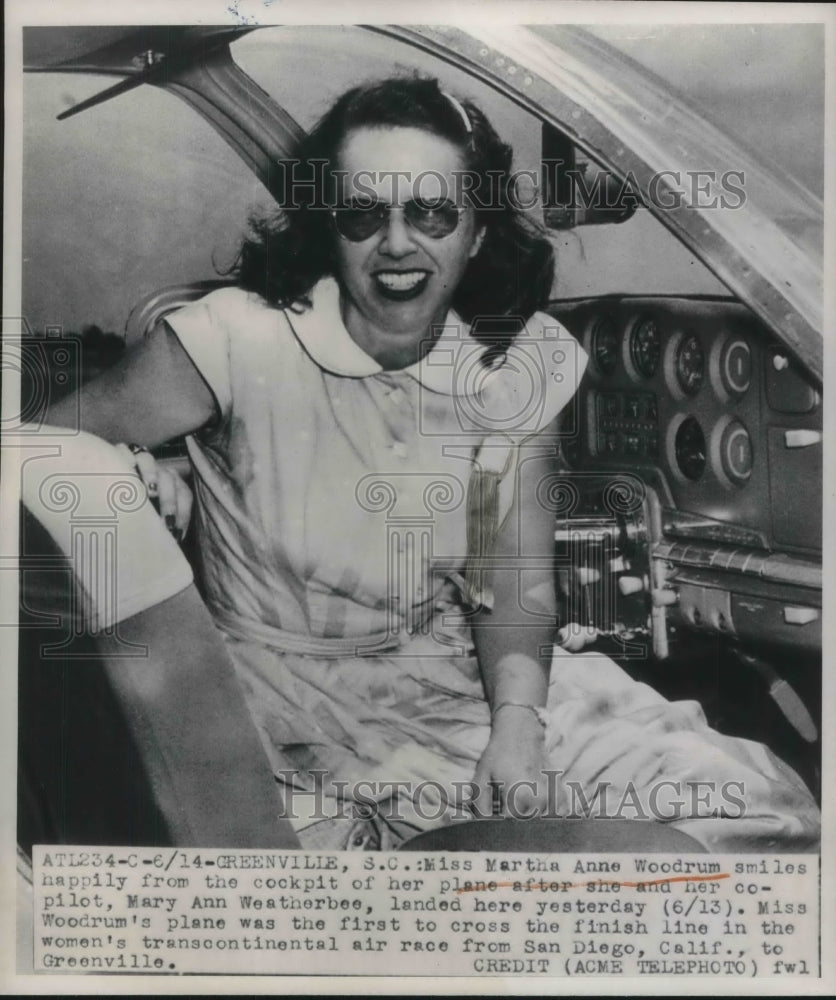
x=561, y=360
x=204, y=328
x=542, y=372
x=539, y=375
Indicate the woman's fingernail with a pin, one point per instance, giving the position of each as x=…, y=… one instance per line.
x=170, y=522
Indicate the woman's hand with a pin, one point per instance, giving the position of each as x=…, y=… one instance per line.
x=574, y=637
x=510, y=774
x=165, y=487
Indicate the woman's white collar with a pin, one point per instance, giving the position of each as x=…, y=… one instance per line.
x=520, y=394
x=323, y=335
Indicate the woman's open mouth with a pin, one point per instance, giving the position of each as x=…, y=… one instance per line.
x=401, y=285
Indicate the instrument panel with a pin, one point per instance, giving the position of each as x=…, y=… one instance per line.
x=697, y=397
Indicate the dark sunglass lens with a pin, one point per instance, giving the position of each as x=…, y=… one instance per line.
x=359, y=220
x=362, y=218
x=435, y=219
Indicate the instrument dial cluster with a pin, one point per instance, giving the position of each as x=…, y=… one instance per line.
x=662, y=375
x=678, y=390
x=652, y=360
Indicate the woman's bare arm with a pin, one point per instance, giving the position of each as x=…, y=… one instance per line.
x=514, y=649
x=513, y=646
x=153, y=394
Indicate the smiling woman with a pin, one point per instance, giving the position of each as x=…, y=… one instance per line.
x=399, y=282
x=400, y=142
x=373, y=433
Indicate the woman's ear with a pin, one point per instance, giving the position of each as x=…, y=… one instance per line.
x=477, y=242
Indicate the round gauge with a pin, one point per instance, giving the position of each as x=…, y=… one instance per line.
x=736, y=366
x=690, y=365
x=645, y=347
x=689, y=449
x=736, y=453
x=605, y=346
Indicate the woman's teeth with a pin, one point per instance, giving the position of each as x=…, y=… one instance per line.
x=400, y=281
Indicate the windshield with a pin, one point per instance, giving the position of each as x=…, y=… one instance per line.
x=761, y=83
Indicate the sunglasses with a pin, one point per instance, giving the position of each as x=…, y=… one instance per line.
x=361, y=220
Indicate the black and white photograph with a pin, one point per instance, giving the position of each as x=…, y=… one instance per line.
x=414, y=496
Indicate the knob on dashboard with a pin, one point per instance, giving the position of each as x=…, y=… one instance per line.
x=663, y=597
x=630, y=585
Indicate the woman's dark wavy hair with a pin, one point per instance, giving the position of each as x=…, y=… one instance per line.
x=285, y=254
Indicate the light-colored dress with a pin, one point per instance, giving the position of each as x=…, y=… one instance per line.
x=331, y=503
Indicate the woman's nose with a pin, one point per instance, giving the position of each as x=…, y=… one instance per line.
x=397, y=235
